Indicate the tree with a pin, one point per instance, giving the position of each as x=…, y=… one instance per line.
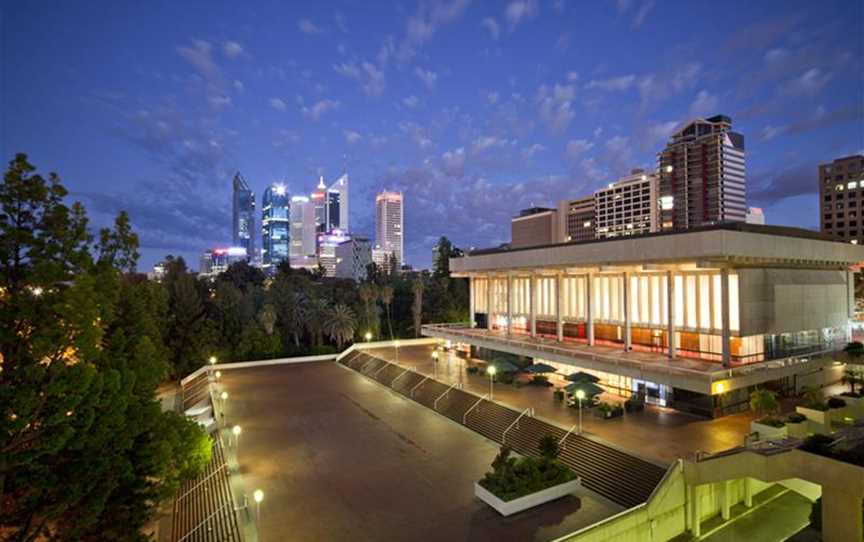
x=443, y=251
x=548, y=447
x=854, y=351
x=340, y=324
x=417, y=306
x=267, y=319
x=316, y=311
x=763, y=402
x=368, y=295
x=852, y=378
x=386, y=296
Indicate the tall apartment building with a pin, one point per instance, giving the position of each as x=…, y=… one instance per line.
x=337, y=205
x=534, y=226
x=841, y=195
x=352, y=258
x=576, y=219
x=319, y=204
x=702, y=175
x=327, y=243
x=303, y=228
x=243, y=216
x=389, y=224
x=275, y=226
x=627, y=206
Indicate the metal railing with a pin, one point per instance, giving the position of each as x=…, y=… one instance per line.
x=454, y=385
x=567, y=434
x=411, y=392
x=475, y=405
x=386, y=364
x=363, y=367
x=529, y=411
x=400, y=375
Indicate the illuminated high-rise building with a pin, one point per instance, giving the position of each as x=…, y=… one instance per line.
x=389, y=224
x=319, y=204
x=243, y=219
x=275, y=226
x=337, y=204
x=302, y=233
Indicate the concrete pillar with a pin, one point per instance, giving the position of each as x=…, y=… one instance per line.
x=533, y=296
x=724, y=311
x=559, y=313
x=589, y=311
x=670, y=313
x=725, y=498
x=489, y=313
x=509, y=304
x=841, y=516
x=471, y=301
x=748, y=493
x=695, y=524
x=626, y=291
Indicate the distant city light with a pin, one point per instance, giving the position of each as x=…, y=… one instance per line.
x=279, y=189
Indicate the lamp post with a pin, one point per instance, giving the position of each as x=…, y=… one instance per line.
x=435, y=364
x=212, y=360
x=368, y=336
x=224, y=397
x=396, y=344
x=491, y=370
x=258, y=495
x=580, y=394
x=236, y=430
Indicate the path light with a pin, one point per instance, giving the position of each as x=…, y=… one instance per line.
x=218, y=375
x=396, y=344
x=491, y=370
x=368, y=336
x=580, y=394
x=212, y=360
x=237, y=430
x=435, y=364
x=258, y=495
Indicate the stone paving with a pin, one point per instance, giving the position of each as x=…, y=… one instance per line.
x=657, y=434
x=340, y=457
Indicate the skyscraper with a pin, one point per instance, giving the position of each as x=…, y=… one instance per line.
x=389, y=223
x=243, y=220
x=702, y=175
x=841, y=196
x=302, y=233
x=275, y=226
x=337, y=204
x=627, y=207
x=319, y=202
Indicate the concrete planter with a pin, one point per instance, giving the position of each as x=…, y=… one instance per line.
x=820, y=420
x=855, y=406
x=508, y=508
x=768, y=431
x=796, y=430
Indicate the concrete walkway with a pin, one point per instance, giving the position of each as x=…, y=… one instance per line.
x=657, y=434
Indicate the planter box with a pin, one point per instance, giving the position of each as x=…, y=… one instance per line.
x=820, y=420
x=855, y=406
x=769, y=431
x=508, y=508
x=796, y=430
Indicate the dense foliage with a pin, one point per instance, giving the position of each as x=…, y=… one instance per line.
x=512, y=478
x=85, y=451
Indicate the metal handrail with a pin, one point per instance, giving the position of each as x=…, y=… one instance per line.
x=515, y=422
x=465, y=416
x=360, y=370
x=386, y=364
x=196, y=486
x=411, y=392
x=435, y=403
x=567, y=434
x=400, y=375
x=204, y=521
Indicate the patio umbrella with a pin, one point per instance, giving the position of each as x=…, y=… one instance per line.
x=589, y=388
x=540, y=368
x=581, y=376
x=503, y=366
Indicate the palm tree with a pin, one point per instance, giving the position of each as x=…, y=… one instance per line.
x=851, y=377
x=369, y=294
x=317, y=310
x=386, y=294
x=417, y=307
x=267, y=319
x=763, y=401
x=341, y=324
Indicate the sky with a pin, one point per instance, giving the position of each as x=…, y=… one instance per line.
x=474, y=110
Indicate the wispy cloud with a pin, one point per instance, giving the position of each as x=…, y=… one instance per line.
x=518, y=11
x=319, y=108
x=352, y=137
x=232, y=49
x=555, y=105
x=278, y=104
x=369, y=76
x=492, y=26
x=308, y=27
x=809, y=83
x=616, y=84
x=704, y=105
x=411, y=101
x=428, y=77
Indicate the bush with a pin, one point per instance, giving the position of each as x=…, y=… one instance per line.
x=558, y=394
x=771, y=422
x=512, y=478
x=817, y=444
x=548, y=447
x=796, y=417
x=836, y=402
x=855, y=395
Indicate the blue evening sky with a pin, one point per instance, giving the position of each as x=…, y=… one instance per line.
x=473, y=109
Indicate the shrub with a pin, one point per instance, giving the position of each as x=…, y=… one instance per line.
x=548, y=447
x=836, y=402
x=796, y=417
x=763, y=402
x=512, y=478
x=771, y=422
x=817, y=444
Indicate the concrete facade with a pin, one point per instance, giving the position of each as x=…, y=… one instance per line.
x=533, y=227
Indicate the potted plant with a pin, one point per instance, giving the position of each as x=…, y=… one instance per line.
x=608, y=410
x=815, y=409
x=558, y=395
x=796, y=425
x=514, y=485
x=764, y=404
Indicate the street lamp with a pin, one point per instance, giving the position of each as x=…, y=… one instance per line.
x=396, y=344
x=580, y=394
x=435, y=364
x=258, y=495
x=224, y=397
x=218, y=375
x=212, y=360
x=368, y=336
x=237, y=430
x=491, y=370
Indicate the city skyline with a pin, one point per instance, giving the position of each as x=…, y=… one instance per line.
x=288, y=94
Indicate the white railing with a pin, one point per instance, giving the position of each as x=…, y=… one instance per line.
x=567, y=434
x=475, y=405
x=411, y=393
x=455, y=385
x=386, y=364
x=400, y=375
x=529, y=411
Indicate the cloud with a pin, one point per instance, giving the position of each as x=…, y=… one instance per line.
x=370, y=78
x=782, y=183
x=352, y=137
x=704, y=105
x=232, y=49
x=555, y=105
x=238, y=86
x=520, y=10
x=657, y=88
x=417, y=133
x=643, y=8
x=658, y=134
x=492, y=26
x=219, y=102
x=453, y=163
x=809, y=83
x=278, y=104
x=577, y=147
x=819, y=118
x=424, y=24
x=492, y=98
x=319, y=108
x=411, y=101
x=308, y=27
x=770, y=132
x=209, y=76
x=428, y=77
x=529, y=152
x=484, y=143
x=618, y=154
x=613, y=84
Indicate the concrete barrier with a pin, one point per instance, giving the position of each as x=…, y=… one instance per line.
x=508, y=508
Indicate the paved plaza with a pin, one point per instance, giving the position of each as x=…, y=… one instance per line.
x=657, y=434
x=340, y=457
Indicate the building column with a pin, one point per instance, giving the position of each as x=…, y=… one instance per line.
x=533, y=301
x=841, y=515
x=489, y=313
x=626, y=296
x=724, y=311
x=589, y=311
x=695, y=523
x=509, y=304
x=748, y=493
x=559, y=314
x=725, y=497
x=471, y=301
x=670, y=313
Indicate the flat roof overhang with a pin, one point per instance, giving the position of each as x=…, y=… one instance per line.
x=736, y=245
